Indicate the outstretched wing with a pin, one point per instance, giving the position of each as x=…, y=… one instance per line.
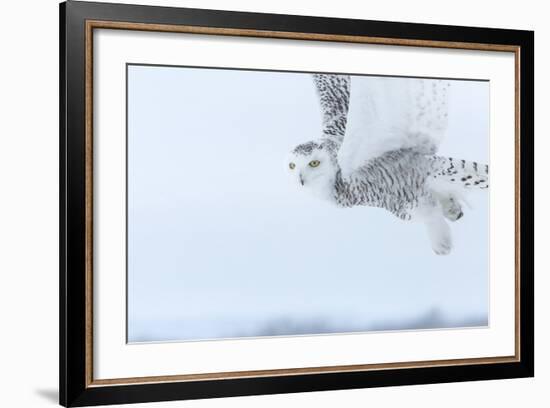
x=392, y=113
x=333, y=92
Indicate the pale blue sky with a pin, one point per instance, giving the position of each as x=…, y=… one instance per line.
x=221, y=245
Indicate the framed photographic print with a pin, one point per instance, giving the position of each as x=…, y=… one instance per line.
x=256, y=203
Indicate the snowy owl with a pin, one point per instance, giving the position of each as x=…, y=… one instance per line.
x=378, y=148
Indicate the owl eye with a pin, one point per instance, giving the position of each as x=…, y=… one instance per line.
x=314, y=163
x=292, y=166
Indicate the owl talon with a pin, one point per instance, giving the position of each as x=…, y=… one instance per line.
x=444, y=248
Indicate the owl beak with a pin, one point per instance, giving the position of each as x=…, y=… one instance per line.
x=301, y=180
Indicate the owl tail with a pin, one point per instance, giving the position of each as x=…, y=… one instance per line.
x=461, y=174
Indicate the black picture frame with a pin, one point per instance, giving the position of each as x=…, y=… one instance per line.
x=75, y=387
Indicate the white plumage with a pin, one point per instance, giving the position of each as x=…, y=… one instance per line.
x=378, y=148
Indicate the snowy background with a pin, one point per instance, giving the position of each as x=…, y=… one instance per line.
x=221, y=245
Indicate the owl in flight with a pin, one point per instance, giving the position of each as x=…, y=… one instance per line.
x=378, y=148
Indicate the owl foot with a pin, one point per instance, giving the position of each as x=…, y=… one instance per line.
x=439, y=234
x=452, y=210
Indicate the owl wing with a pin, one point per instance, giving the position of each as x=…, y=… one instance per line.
x=333, y=92
x=392, y=113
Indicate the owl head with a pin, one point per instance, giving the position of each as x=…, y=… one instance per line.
x=312, y=168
